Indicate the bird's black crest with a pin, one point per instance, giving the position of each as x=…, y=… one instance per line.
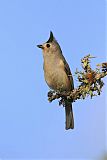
x=51, y=37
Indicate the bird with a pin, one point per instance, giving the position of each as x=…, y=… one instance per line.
x=57, y=74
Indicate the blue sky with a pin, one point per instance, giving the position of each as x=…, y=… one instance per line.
x=30, y=127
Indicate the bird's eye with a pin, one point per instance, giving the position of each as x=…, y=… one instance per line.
x=48, y=45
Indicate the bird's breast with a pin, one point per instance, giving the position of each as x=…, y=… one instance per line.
x=56, y=77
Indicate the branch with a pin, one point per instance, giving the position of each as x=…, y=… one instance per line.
x=90, y=83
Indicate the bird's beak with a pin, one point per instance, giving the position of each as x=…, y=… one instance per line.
x=40, y=46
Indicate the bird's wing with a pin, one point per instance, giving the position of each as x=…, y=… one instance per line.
x=67, y=68
x=69, y=74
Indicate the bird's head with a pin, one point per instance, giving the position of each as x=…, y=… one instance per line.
x=51, y=46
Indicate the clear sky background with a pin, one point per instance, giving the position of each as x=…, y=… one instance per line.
x=30, y=127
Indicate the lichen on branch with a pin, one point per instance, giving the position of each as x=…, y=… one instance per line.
x=90, y=82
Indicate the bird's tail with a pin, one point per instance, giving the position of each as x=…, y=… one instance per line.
x=69, y=116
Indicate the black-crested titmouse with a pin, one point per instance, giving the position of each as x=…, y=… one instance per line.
x=57, y=73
